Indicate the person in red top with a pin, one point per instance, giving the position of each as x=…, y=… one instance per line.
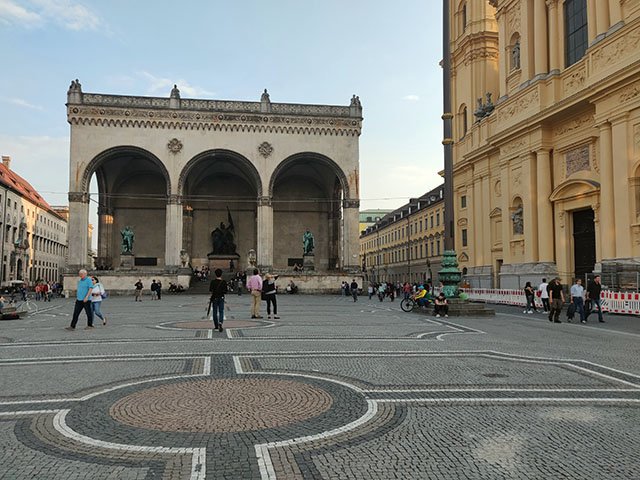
x=254, y=285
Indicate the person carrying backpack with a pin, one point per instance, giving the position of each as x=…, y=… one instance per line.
x=98, y=293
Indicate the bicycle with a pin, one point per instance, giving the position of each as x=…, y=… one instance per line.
x=409, y=304
x=27, y=306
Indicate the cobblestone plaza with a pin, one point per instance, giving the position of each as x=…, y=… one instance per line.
x=332, y=390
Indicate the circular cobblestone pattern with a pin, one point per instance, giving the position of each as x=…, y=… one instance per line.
x=221, y=405
x=203, y=325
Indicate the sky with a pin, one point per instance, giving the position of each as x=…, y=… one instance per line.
x=302, y=51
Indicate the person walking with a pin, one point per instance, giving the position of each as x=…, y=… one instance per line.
x=577, y=298
x=97, y=295
x=270, y=291
x=83, y=295
x=556, y=298
x=370, y=290
x=354, y=290
x=154, y=288
x=544, y=295
x=159, y=289
x=594, y=291
x=254, y=285
x=138, y=292
x=530, y=297
x=218, y=289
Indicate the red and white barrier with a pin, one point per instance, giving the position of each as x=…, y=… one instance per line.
x=613, y=302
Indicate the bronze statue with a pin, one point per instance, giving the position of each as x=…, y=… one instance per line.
x=222, y=238
x=308, y=243
x=127, y=240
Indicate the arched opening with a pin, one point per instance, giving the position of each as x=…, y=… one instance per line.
x=307, y=191
x=517, y=216
x=463, y=124
x=514, y=50
x=219, y=186
x=132, y=186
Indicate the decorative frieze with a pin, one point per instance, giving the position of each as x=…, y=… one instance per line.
x=350, y=203
x=577, y=160
x=575, y=124
x=211, y=121
x=615, y=51
x=264, y=201
x=574, y=81
x=630, y=93
x=510, y=108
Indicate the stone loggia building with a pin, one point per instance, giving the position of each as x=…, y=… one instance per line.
x=173, y=168
x=546, y=104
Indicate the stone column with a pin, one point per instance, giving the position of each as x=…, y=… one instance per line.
x=620, y=141
x=540, y=35
x=187, y=229
x=105, y=236
x=173, y=235
x=526, y=43
x=506, y=213
x=486, y=221
x=264, y=248
x=505, y=54
x=350, y=225
x=477, y=259
x=78, y=230
x=554, y=37
x=607, y=219
x=544, y=206
x=591, y=21
x=530, y=214
x=615, y=12
x=602, y=16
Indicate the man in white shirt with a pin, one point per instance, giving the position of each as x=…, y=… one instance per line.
x=544, y=295
x=577, y=298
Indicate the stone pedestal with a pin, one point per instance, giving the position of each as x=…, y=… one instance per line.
x=309, y=262
x=223, y=262
x=127, y=262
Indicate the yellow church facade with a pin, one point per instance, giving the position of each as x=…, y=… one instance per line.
x=546, y=105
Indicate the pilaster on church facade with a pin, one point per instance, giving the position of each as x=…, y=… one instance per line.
x=558, y=150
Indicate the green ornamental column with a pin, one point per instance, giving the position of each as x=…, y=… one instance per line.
x=449, y=275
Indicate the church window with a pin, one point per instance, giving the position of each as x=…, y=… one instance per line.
x=464, y=238
x=463, y=201
x=576, y=41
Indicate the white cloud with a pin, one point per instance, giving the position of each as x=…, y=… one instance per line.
x=159, y=85
x=22, y=103
x=12, y=13
x=411, y=98
x=41, y=160
x=65, y=13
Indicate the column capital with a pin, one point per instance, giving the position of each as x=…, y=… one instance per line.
x=80, y=197
x=265, y=201
x=620, y=118
x=103, y=210
x=174, y=199
x=551, y=3
x=351, y=203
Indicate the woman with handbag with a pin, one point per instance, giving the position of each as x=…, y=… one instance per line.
x=269, y=292
x=98, y=293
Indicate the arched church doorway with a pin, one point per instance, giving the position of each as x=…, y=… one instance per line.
x=132, y=192
x=219, y=187
x=584, y=242
x=307, y=191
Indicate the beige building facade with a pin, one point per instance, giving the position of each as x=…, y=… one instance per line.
x=546, y=98
x=33, y=236
x=406, y=244
x=173, y=169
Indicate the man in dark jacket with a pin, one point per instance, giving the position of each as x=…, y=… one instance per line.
x=594, y=289
x=556, y=299
x=218, y=289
